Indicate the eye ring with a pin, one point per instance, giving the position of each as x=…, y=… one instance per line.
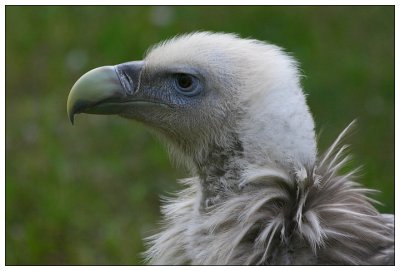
x=187, y=84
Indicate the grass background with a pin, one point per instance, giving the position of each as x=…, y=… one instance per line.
x=87, y=194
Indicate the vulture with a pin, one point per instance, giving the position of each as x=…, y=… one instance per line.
x=233, y=112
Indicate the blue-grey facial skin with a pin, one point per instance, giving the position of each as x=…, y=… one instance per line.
x=161, y=86
x=162, y=105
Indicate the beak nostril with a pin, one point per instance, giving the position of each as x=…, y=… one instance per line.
x=129, y=89
x=128, y=74
x=125, y=81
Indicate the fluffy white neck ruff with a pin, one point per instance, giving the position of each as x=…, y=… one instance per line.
x=310, y=216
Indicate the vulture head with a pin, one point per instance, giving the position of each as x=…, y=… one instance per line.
x=220, y=102
x=232, y=110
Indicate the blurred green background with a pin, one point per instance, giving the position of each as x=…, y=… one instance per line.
x=88, y=194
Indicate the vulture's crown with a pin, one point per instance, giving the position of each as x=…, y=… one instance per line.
x=233, y=111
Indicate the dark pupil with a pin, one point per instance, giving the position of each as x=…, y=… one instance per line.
x=184, y=81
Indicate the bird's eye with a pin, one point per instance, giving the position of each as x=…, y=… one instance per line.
x=184, y=81
x=187, y=84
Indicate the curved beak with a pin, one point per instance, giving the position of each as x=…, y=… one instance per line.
x=104, y=90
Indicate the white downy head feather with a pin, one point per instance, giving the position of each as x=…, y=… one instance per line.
x=259, y=96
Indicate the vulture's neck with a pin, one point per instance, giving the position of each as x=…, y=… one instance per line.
x=220, y=171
